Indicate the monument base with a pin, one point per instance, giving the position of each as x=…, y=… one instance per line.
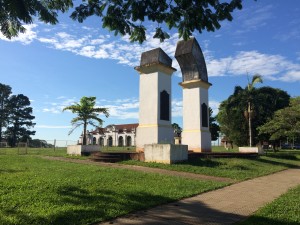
x=197, y=141
x=165, y=153
x=82, y=149
x=161, y=134
x=258, y=150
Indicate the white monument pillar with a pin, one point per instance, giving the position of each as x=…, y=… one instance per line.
x=195, y=106
x=196, y=132
x=155, y=99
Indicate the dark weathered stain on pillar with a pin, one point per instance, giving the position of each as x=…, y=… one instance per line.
x=191, y=60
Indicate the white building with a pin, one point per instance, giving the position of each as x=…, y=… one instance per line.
x=112, y=135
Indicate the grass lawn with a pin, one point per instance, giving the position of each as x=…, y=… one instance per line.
x=235, y=168
x=34, y=151
x=282, y=211
x=38, y=191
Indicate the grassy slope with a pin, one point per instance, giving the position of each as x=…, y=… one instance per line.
x=37, y=191
x=283, y=211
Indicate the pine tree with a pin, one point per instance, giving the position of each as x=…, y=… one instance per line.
x=20, y=120
x=5, y=91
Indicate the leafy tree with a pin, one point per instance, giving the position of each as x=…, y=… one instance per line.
x=86, y=114
x=285, y=122
x=15, y=13
x=177, y=129
x=265, y=101
x=249, y=114
x=123, y=16
x=5, y=91
x=213, y=126
x=20, y=120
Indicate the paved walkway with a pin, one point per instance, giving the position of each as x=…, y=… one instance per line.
x=223, y=206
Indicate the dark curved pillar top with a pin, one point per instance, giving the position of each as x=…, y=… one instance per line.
x=191, y=60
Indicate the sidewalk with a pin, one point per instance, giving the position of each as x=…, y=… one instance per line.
x=223, y=206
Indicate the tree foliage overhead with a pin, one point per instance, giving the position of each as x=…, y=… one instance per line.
x=87, y=113
x=123, y=16
x=15, y=13
x=285, y=123
x=265, y=101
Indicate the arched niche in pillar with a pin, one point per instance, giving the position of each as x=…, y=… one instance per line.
x=164, y=105
x=204, y=112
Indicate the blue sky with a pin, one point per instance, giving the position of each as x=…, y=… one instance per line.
x=56, y=65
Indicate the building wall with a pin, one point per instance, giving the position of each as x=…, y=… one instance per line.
x=111, y=137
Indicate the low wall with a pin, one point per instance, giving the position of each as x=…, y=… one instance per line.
x=258, y=150
x=165, y=153
x=82, y=149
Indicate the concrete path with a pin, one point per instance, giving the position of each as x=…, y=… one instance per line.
x=143, y=169
x=223, y=206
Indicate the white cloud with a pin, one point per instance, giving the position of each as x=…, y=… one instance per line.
x=61, y=97
x=123, y=108
x=58, y=106
x=252, y=18
x=272, y=67
x=25, y=38
x=54, y=110
x=214, y=105
x=177, y=108
x=291, y=76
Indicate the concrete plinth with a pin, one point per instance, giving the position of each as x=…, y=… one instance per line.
x=82, y=149
x=165, y=153
x=258, y=150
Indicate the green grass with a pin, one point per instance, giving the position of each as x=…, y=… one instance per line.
x=58, y=152
x=61, y=151
x=282, y=211
x=38, y=191
x=235, y=168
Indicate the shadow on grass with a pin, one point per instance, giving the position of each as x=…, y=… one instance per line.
x=259, y=220
x=10, y=171
x=201, y=162
x=86, y=208
x=276, y=163
x=80, y=206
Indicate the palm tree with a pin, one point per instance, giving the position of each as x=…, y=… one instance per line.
x=250, y=113
x=86, y=114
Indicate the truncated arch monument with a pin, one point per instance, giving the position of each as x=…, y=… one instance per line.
x=155, y=102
